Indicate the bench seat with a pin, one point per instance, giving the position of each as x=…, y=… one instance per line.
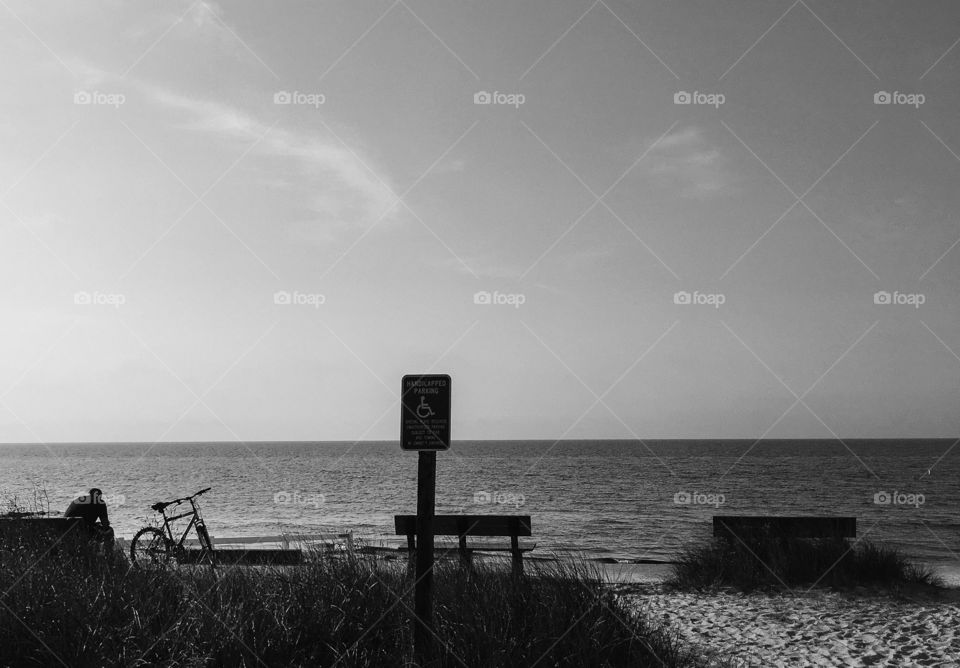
x=464, y=526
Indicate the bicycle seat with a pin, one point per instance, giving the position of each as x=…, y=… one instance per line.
x=159, y=506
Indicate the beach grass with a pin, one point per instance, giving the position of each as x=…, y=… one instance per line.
x=768, y=561
x=76, y=605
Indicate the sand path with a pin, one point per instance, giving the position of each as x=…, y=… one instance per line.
x=804, y=629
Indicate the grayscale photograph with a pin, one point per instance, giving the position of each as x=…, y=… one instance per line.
x=479, y=333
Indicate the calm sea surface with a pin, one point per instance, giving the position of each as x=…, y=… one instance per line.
x=601, y=499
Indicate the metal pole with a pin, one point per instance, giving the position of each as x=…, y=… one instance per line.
x=423, y=594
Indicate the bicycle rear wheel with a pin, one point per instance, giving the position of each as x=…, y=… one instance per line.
x=150, y=549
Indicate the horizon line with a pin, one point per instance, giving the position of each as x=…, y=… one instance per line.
x=495, y=440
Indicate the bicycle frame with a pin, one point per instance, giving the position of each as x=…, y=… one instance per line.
x=196, y=522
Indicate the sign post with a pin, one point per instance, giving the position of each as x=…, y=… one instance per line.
x=425, y=427
x=423, y=645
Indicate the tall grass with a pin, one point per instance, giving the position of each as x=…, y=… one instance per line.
x=772, y=561
x=85, y=608
x=35, y=501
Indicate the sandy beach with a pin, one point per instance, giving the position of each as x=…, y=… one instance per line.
x=820, y=628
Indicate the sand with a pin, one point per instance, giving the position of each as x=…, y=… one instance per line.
x=821, y=628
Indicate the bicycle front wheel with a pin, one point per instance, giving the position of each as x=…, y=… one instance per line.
x=205, y=541
x=150, y=549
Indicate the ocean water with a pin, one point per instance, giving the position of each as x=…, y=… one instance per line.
x=622, y=500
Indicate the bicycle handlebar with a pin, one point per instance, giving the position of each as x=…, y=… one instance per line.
x=159, y=506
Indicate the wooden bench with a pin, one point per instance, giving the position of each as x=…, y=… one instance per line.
x=50, y=530
x=462, y=526
x=727, y=526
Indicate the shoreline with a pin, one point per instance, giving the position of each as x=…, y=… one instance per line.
x=634, y=573
x=614, y=570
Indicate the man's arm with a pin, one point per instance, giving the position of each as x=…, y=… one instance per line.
x=102, y=514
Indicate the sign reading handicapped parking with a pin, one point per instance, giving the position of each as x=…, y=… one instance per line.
x=425, y=427
x=425, y=412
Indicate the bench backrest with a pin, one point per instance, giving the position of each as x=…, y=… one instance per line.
x=468, y=525
x=795, y=527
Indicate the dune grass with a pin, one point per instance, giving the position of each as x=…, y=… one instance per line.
x=84, y=608
x=769, y=561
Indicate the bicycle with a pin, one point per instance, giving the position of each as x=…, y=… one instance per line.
x=154, y=547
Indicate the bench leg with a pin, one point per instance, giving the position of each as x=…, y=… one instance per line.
x=517, y=555
x=466, y=554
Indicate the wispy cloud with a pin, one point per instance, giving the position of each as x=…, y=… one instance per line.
x=684, y=138
x=339, y=183
x=336, y=181
x=686, y=159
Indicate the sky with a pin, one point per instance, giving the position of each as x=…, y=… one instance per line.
x=248, y=220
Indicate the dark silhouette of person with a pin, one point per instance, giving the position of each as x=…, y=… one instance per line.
x=91, y=507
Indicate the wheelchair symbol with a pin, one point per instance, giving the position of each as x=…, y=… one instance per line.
x=424, y=410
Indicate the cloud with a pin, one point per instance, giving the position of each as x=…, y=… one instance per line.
x=333, y=179
x=681, y=138
x=685, y=159
x=336, y=181
x=342, y=185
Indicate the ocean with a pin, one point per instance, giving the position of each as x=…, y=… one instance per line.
x=607, y=500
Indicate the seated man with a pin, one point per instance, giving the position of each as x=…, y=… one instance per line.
x=91, y=507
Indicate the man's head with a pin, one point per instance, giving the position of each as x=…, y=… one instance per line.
x=96, y=496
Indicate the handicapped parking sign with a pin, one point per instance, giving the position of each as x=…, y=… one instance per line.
x=425, y=412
